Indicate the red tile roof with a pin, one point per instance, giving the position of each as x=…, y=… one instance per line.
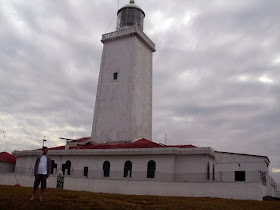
x=55, y=148
x=142, y=143
x=82, y=139
x=6, y=157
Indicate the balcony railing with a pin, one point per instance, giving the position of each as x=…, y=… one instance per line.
x=128, y=31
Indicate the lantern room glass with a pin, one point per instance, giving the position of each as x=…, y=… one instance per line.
x=130, y=17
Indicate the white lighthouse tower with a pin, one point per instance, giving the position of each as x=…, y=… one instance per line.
x=123, y=107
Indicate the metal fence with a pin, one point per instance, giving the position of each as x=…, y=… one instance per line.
x=250, y=176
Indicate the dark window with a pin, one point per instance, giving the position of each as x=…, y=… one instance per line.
x=213, y=172
x=67, y=166
x=86, y=171
x=63, y=168
x=151, y=169
x=208, y=171
x=53, y=166
x=239, y=175
x=106, y=168
x=127, y=169
x=115, y=76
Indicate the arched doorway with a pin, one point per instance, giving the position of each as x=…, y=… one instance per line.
x=127, y=169
x=106, y=168
x=66, y=166
x=151, y=169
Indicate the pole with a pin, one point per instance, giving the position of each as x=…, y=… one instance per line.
x=44, y=141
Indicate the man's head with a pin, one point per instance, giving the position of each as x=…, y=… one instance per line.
x=45, y=150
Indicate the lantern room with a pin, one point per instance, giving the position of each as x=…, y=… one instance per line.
x=130, y=15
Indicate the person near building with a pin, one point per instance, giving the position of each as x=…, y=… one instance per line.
x=42, y=171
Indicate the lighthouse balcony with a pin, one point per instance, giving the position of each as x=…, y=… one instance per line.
x=128, y=31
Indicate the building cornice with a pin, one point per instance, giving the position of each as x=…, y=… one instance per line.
x=132, y=151
x=127, y=32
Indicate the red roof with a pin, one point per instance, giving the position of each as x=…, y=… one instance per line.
x=81, y=139
x=56, y=148
x=142, y=143
x=6, y=157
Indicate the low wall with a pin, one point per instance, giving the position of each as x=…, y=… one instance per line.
x=231, y=190
x=23, y=180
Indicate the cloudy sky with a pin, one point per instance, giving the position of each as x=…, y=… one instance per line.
x=216, y=72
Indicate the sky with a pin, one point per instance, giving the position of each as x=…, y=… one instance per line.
x=216, y=72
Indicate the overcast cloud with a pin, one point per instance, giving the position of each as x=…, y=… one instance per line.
x=216, y=75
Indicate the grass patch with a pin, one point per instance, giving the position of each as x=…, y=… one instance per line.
x=16, y=197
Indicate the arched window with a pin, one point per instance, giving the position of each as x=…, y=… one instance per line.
x=53, y=166
x=213, y=172
x=127, y=169
x=151, y=169
x=67, y=166
x=106, y=168
x=208, y=170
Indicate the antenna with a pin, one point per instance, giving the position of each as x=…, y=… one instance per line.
x=165, y=138
x=109, y=24
x=66, y=139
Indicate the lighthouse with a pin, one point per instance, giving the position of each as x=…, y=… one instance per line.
x=123, y=106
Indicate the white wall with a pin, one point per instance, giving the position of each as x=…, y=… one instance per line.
x=24, y=180
x=166, y=182
x=164, y=165
x=228, y=163
x=123, y=108
x=25, y=164
x=169, y=167
x=113, y=101
x=244, y=191
x=193, y=167
x=277, y=194
x=141, y=110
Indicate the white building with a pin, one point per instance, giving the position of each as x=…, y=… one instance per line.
x=118, y=158
x=146, y=168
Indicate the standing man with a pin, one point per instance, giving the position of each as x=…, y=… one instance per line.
x=41, y=172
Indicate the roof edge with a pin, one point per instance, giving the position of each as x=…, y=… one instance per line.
x=244, y=154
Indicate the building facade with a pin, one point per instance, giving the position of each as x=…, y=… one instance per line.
x=126, y=167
